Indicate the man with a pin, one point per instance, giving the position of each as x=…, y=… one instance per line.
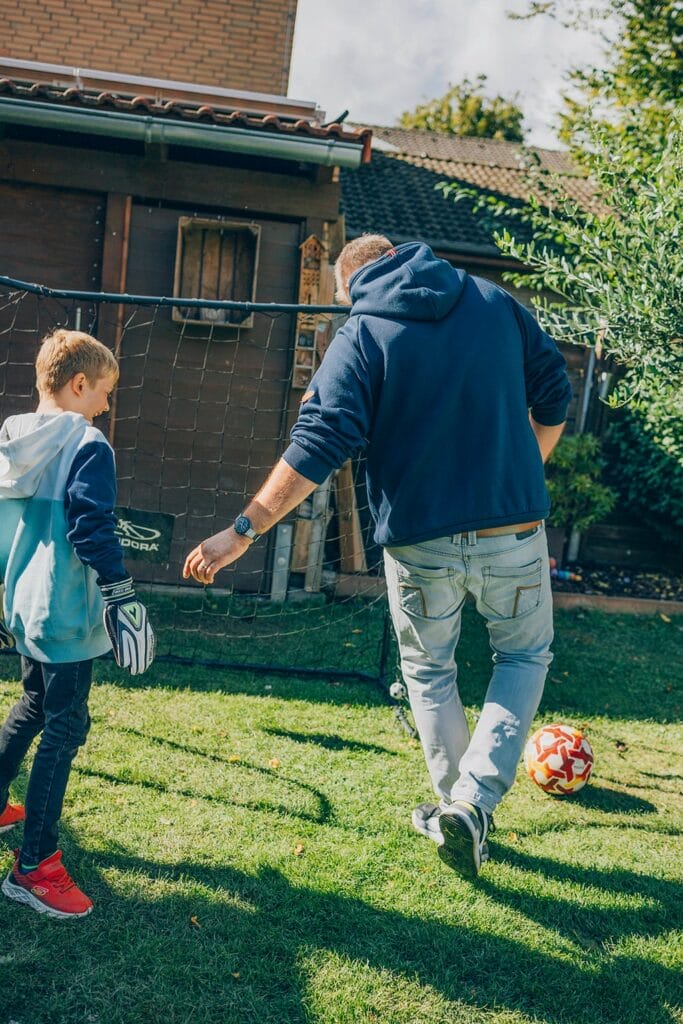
x=458, y=397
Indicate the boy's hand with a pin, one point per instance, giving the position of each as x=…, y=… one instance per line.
x=224, y=548
x=6, y=638
x=125, y=620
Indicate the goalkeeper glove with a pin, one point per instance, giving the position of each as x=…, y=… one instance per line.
x=6, y=638
x=125, y=620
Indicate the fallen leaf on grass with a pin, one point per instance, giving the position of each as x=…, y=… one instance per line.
x=513, y=837
x=299, y=849
x=195, y=922
x=664, y=618
x=274, y=763
x=233, y=759
x=236, y=975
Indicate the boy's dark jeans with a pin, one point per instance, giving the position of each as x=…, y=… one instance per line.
x=55, y=701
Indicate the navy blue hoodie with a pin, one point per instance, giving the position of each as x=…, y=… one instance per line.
x=434, y=374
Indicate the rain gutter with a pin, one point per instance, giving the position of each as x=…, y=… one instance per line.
x=147, y=129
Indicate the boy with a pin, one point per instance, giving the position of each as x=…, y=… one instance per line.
x=67, y=598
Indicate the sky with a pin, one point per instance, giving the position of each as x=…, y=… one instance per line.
x=377, y=58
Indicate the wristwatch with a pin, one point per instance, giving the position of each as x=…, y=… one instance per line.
x=243, y=527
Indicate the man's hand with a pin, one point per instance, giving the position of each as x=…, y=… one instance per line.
x=213, y=554
x=6, y=638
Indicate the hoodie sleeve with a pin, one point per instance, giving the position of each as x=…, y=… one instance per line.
x=90, y=500
x=548, y=391
x=337, y=410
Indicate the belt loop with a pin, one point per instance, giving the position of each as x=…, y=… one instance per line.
x=472, y=537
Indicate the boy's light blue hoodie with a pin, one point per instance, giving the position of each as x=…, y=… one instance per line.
x=57, y=541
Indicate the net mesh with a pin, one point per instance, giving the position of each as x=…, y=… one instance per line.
x=201, y=413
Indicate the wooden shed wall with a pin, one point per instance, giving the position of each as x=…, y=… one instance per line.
x=200, y=410
x=53, y=236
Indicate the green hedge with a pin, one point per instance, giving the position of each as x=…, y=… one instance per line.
x=578, y=498
x=644, y=452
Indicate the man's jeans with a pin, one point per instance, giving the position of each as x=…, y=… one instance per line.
x=510, y=581
x=55, y=700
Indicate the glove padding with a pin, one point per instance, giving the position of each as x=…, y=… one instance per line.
x=6, y=638
x=126, y=622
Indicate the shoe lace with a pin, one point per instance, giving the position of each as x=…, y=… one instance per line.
x=62, y=880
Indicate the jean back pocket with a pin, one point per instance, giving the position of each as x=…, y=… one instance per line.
x=512, y=591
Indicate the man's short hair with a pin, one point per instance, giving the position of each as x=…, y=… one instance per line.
x=64, y=353
x=355, y=255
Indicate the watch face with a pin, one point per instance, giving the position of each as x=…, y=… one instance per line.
x=242, y=524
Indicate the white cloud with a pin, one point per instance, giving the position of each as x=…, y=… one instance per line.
x=380, y=57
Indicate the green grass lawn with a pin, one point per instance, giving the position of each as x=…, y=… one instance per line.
x=246, y=841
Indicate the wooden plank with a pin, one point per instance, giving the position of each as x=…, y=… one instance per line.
x=51, y=235
x=114, y=267
x=351, y=549
x=316, y=549
x=302, y=539
x=232, y=189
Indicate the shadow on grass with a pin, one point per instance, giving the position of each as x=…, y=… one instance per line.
x=274, y=780
x=614, y=801
x=658, y=908
x=329, y=741
x=232, y=946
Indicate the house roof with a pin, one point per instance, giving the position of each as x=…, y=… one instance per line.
x=395, y=193
x=171, y=101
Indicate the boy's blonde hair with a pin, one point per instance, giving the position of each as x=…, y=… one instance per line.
x=355, y=255
x=64, y=353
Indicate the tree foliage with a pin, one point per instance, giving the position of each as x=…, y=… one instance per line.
x=465, y=110
x=638, y=92
x=612, y=274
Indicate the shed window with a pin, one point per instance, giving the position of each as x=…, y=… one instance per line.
x=215, y=259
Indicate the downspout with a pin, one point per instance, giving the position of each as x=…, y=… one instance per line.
x=575, y=535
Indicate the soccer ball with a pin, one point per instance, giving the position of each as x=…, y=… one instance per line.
x=559, y=759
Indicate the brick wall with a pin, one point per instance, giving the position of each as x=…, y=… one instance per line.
x=236, y=44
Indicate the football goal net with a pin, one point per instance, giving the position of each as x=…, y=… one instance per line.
x=207, y=395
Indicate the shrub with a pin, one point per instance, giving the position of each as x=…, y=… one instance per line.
x=644, y=450
x=577, y=495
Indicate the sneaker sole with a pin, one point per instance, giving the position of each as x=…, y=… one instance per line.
x=460, y=847
x=436, y=837
x=21, y=895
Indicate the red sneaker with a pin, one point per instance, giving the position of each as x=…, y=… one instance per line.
x=11, y=816
x=49, y=888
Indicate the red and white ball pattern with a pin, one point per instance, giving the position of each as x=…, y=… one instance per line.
x=559, y=759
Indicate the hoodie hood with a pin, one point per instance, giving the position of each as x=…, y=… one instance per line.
x=29, y=444
x=407, y=283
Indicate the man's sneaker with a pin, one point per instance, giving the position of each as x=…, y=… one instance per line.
x=49, y=888
x=11, y=816
x=426, y=821
x=464, y=846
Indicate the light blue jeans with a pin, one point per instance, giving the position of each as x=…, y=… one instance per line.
x=510, y=581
